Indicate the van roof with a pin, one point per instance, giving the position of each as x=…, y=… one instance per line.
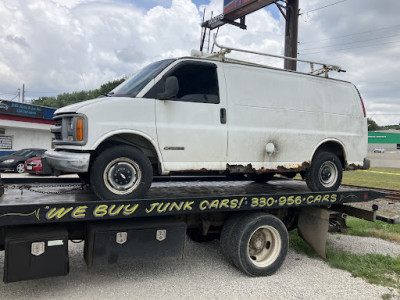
x=251, y=64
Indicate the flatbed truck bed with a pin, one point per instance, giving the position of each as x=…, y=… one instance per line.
x=38, y=219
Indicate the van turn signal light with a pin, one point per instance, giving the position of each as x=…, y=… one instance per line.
x=79, y=129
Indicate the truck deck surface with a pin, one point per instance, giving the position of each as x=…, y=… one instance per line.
x=47, y=203
x=71, y=193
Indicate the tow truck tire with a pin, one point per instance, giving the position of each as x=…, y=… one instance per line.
x=259, y=244
x=226, y=234
x=121, y=172
x=325, y=173
x=261, y=178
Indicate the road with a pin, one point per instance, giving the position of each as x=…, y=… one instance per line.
x=385, y=160
x=203, y=274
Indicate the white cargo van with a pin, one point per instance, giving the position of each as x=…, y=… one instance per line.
x=204, y=114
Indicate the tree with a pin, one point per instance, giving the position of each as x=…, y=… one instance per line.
x=74, y=97
x=372, y=125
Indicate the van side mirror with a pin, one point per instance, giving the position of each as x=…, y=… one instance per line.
x=171, y=88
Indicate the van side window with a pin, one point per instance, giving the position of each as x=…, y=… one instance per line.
x=197, y=82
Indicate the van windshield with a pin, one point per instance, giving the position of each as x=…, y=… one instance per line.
x=132, y=86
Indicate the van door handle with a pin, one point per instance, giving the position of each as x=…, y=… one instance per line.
x=222, y=115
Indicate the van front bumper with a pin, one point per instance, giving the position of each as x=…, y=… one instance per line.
x=67, y=161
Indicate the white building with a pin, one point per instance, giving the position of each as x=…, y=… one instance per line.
x=24, y=126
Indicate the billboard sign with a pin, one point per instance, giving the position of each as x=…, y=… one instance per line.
x=26, y=110
x=234, y=9
x=230, y=5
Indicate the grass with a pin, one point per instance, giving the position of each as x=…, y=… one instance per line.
x=378, y=229
x=378, y=269
x=374, y=268
x=386, y=178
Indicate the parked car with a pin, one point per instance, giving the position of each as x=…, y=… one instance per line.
x=34, y=166
x=379, y=150
x=1, y=187
x=15, y=162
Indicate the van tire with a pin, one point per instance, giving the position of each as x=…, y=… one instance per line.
x=261, y=178
x=325, y=173
x=84, y=177
x=259, y=244
x=121, y=172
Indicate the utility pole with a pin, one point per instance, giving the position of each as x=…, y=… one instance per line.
x=291, y=31
x=23, y=93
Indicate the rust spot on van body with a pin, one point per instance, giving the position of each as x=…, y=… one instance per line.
x=280, y=169
x=355, y=167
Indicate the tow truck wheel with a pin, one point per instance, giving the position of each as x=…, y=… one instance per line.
x=325, y=173
x=259, y=244
x=121, y=172
x=226, y=234
x=261, y=178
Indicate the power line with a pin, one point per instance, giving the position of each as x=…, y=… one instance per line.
x=383, y=114
x=39, y=92
x=7, y=93
x=375, y=45
x=351, y=34
x=349, y=43
x=323, y=7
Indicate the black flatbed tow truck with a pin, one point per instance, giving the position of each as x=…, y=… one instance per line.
x=250, y=219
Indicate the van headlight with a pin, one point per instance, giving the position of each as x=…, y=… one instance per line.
x=70, y=129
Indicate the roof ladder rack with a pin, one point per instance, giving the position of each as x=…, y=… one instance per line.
x=323, y=70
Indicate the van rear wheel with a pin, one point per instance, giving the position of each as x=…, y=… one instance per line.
x=325, y=173
x=121, y=172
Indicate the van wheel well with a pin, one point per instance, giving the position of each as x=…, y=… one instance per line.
x=334, y=148
x=135, y=141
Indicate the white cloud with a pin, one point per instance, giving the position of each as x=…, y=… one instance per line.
x=362, y=39
x=65, y=46
x=69, y=45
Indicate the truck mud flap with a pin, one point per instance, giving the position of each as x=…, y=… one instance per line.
x=313, y=226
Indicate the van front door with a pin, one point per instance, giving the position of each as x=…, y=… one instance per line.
x=191, y=126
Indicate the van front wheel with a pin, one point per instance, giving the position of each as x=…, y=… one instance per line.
x=121, y=172
x=325, y=173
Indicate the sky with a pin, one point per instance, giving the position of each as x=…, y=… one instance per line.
x=57, y=46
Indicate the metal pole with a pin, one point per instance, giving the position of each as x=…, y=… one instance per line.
x=23, y=93
x=291, y=30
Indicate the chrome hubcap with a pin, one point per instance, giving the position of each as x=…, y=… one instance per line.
x=122, y=176
x=328, y=174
